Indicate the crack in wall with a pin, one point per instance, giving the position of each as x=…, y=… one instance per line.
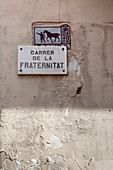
x=104, y=54
x=42, y=157
x=7, y=155
x=78, y=165
x=59, y=10
x=105, y=29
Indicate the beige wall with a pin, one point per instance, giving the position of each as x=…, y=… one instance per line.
x=58, y=122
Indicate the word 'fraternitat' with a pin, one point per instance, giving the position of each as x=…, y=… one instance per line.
x=40, y=65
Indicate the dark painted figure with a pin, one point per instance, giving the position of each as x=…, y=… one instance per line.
x=42, y=36
x=52, y=35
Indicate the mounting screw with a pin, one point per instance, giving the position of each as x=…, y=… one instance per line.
x=62, y=49
x=63, y=70
x=20, y=48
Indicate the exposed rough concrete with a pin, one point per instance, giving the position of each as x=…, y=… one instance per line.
x=7, y=162
x=47, y=139
x=58, y=122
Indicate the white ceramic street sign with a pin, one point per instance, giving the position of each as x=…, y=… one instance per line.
x=42, y=60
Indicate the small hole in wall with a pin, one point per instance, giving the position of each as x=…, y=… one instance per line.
x=109, y=110
x=79, y=90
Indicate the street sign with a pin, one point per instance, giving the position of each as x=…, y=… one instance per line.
x=42, y=60
x=53, y=35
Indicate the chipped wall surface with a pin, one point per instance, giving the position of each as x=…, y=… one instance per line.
x=58, y=122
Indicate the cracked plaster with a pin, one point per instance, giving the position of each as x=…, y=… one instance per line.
x=71, y=114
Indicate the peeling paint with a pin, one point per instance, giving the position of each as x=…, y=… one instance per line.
x=55, y=142
x=33, y=160
x=74, y=66
x=67, y=111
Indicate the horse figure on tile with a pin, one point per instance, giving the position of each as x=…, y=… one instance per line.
x=52, y=35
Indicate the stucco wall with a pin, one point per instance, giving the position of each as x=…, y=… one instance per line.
x=58, y=122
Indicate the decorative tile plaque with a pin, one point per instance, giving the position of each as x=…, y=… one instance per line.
x=53, y=35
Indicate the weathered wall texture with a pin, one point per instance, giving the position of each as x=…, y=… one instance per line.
x=58, y=122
